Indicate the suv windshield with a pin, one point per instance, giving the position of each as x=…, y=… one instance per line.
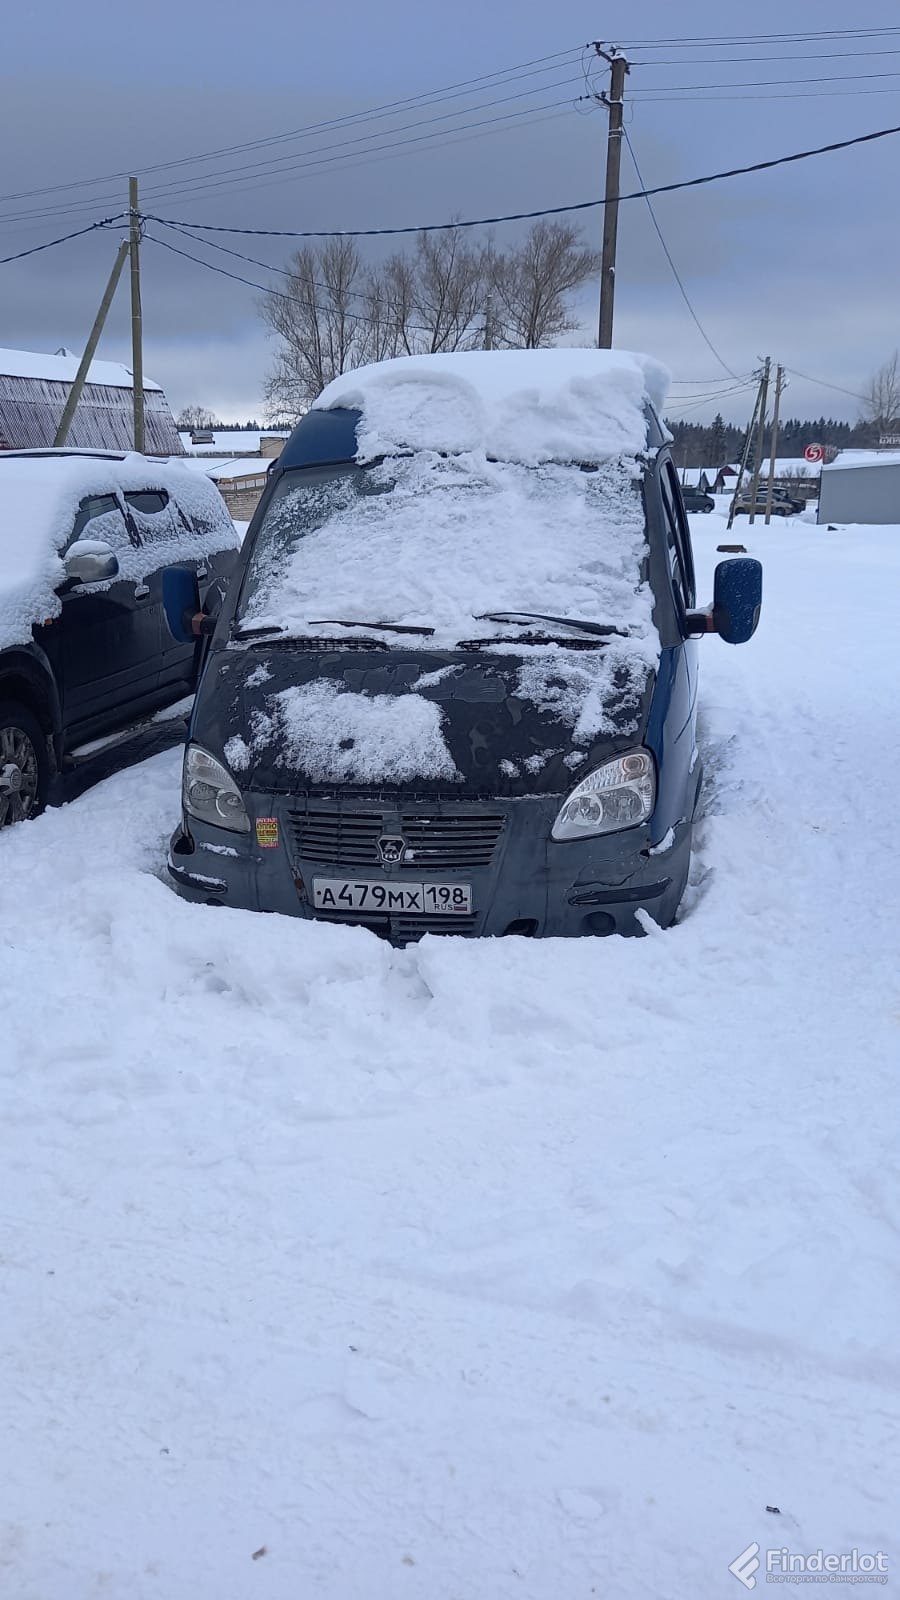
x=445, y=543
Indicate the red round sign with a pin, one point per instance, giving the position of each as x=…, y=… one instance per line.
x=814, y=452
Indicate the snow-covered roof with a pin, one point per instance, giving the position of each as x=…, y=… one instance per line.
x=62, y=369
x=511, y=405
x=39, y=497
x=863, y=458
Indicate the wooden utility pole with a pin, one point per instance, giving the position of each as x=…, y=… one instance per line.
x=773, y=450
x=65, y=423
x=137, y=342
x=745, y=456
x=614, y=101
x=761, y=436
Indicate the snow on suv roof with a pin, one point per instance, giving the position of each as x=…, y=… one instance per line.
x=528, y=406
x=40, y=492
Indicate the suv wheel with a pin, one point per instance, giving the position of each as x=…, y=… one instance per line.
x=24, y=764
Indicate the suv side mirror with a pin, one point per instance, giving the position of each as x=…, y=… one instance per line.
x=90, y=561
x=737, y=599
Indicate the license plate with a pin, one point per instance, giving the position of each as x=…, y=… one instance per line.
x=409, y=898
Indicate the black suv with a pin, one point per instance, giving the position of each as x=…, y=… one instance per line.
x=86, y=653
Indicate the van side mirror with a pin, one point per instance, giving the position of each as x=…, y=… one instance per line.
x=737, y=602
x=90, y=561
x=737, y=599
x=181, y=601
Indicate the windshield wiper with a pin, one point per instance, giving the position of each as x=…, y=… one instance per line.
x=257, y=632
x=387, y=627
x=603, y=630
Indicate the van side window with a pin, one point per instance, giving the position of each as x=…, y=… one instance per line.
x=678, y=539
x=100, y=517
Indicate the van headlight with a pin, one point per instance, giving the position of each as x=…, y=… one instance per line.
x=620, y=794
x=209, y=792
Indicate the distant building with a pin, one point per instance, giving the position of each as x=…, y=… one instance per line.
x=861, y=486
x=240, y=477
x=34, y=389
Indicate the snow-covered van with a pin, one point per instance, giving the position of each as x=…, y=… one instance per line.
x=86, y=655
x=453, y=684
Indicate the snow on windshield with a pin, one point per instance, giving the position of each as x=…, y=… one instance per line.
x=39, y=499
x=432, y=541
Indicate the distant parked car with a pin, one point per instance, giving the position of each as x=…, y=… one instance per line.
x=783, y=504
x=86, y=542
x=697, y=499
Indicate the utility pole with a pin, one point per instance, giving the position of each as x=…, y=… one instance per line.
x=137, y=341
x=65, y=423
x=773, y=451
x=745, y=456
x=761, y=436
x=614, y=102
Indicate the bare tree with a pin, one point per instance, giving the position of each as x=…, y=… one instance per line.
x=531, y=285
x=319, y=318
x=447, y=294
x=881, y=401
x=449, y=291
x=197, y=417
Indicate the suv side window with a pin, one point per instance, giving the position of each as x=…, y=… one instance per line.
x=149, y=511
x=678, y=539
x=100, y=517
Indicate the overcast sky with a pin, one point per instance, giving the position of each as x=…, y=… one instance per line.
x=800, y=263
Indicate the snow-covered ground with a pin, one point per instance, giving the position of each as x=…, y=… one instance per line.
x=487, y=1270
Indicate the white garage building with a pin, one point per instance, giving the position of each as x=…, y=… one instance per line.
x=861, y=486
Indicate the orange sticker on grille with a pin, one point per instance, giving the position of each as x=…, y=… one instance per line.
x=267, y=832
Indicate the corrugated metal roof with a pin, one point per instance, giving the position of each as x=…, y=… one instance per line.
x=31, y=408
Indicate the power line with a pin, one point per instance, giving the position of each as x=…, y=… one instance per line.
x=712, y=41
x=770, y=83
x=49, y=244
x=675, y=273
x=648, y=97
x=527, y=216
x=821, y=384
x=434, y=96
x=741, y=61
x=318, y=159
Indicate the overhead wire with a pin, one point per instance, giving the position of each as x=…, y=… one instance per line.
x=319, y=159
x=546, y=211
x=668, y=255
x=49, y=244
x=435, y=96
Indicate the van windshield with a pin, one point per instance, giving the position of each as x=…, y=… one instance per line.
x=442, y=544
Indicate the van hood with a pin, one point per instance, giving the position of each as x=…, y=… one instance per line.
x=504, y=721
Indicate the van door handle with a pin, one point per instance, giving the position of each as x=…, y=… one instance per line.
x=141, y=590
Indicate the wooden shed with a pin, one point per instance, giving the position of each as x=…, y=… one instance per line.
x=34, y=389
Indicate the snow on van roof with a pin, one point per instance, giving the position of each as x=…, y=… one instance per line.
x=62, y=369
x=529, y=406
x=40, y=492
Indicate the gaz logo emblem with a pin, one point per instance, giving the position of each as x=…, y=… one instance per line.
x=391, y=849
x=267, y=832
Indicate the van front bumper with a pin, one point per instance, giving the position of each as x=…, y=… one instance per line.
x=522, y=881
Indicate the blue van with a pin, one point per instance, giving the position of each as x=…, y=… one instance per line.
x=453, y=685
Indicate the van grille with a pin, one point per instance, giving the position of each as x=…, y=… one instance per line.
x=338, y=838
x=436, y=840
